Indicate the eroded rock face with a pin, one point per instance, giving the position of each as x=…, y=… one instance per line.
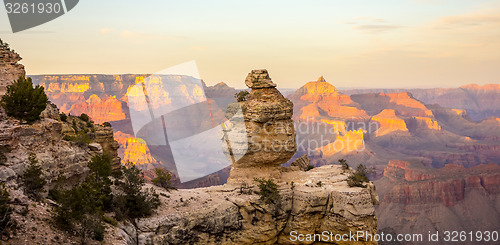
x=10, y=69
x=269, y=128
x=449, y=198
x=232, y=214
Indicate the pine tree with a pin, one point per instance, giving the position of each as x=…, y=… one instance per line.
x=33, y=179
x=23, y=101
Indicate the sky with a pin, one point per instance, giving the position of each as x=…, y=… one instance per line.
x=352, y=43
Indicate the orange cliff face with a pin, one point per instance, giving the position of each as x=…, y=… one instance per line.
x=350, y=142
x=321, y=99
x=389, y=122
x=402, y=103
x=133, y=150
x=100, y=110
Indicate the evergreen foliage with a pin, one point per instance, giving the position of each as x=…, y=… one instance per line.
x=23, y=101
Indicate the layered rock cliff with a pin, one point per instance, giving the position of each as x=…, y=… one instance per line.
x=480, y=101
x=450, y=198
x=234, y=214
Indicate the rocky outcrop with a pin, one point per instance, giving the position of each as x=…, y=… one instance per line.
x=10, y=69
x=321, y=99
x=45, y=139
x=301, y=163
x=269, y=129
x=310, y=202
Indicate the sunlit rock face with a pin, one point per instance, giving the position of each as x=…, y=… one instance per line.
x=133, y=150
x=480, y=101
x=389, y=122
x=351, y=141
x=10, y=69
x=100, y=110
x=320, y=99
x=423, y=123
x=402, y=103
x=269, y=128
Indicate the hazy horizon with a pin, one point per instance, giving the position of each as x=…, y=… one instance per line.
x=372, y=44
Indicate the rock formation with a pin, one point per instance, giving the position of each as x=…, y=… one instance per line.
x=480, y=101
x=319, y=99
x=10, y=69
x=100, y=110
x=233, y=214
x=309, y=202
x=269, y=129
x=389, y=122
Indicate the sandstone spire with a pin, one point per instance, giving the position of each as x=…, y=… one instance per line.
x=269, y=129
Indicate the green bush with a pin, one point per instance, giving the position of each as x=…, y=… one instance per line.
x=63, y=117
x=82, y=207
x=84, y=117
x=81, y=138
x=133, y=202
x=358, y=178
x=6, y=223
x=163, y=179
x=106, y=124
x=309, y=167
x=241, y=96
x=23, y=101
x=268, y=190
x=33, y=179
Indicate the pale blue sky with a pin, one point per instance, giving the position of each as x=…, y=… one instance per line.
x=361, y=43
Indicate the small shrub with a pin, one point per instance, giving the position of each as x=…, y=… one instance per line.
x=33, y=179
x=319, y=184
x=63, y=117
x=241, y=96
x=6, y=223
x=344, y=164
x=23, y=101
x=358, y=178
x=163, y=179
x=84, y=117
x=81, y=138
x=268, y=190
x=74, y=126
x=110, y=220
x=133, y=202
x=106, y=124
x=309, y=167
